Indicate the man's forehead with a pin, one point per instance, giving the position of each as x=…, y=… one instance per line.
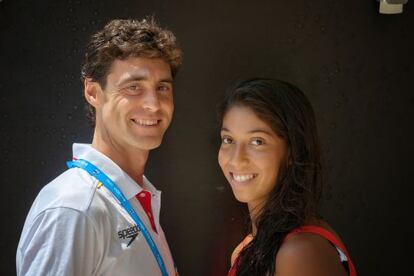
x=139, y=63
x=139, y=68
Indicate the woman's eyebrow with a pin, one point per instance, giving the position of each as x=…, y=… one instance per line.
x=253, y=131
x=260, y=131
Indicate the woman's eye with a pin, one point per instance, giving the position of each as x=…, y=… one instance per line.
x=226, y=140
x=257, y=142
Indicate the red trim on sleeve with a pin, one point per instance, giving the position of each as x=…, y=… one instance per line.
x=314, y=230
x=330, y=237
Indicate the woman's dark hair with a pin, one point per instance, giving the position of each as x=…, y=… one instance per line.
x=297, y=192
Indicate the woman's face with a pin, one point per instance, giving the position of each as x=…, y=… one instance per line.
x=250, y=155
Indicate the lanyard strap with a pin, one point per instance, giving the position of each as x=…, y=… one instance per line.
x=117, y=193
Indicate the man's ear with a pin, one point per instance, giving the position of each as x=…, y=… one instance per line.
x=91, y=91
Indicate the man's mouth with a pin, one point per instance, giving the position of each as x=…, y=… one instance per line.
x=143, y=122
x=242, y=177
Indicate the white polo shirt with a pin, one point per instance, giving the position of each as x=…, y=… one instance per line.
x=75, y=228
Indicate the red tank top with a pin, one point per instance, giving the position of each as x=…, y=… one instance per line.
x=314, y=230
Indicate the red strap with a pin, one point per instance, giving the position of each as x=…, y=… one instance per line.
x=330, y=237
x=314, y=230
x=144, y=197
x=233, y=269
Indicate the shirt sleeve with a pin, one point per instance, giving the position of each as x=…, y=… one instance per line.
x=59, y=241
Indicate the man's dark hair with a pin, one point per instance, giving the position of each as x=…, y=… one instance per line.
x=124, y=38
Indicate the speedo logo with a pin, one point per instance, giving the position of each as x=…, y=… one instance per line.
x=129, y=233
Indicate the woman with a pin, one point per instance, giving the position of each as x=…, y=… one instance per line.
x=270, y=155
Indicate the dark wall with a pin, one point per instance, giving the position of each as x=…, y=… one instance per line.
x=353, y=63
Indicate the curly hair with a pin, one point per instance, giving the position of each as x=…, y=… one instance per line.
x=298, y=190
x=124, y=38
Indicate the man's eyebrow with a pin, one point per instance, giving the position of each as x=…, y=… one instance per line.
x=142, y=78
x=168, y=80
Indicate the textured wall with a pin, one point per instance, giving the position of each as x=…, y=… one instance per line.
x=353, y=63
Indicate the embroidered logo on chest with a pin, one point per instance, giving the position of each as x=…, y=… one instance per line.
x=129, y=233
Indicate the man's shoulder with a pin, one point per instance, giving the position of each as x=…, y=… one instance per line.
x=73, y=189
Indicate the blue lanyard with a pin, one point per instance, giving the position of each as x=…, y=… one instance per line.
x=113, y=188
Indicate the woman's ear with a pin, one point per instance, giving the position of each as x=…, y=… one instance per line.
x=91, y=91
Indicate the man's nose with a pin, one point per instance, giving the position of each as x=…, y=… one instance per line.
x=151, y=101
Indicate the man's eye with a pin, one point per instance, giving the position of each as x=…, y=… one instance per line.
x=164, y=88
x=132, y=89
x=226, y=140
x=257, y=142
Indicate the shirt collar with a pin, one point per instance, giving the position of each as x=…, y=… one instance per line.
x=149, y=187
x=124, y=182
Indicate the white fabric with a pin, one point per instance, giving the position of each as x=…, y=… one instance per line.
x=75, y=228
x=341, y=254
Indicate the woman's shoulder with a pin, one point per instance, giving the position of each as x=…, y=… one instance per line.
x=317, y=227
x=307, y=253
x=239, y=248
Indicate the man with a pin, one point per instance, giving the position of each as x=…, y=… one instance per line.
x=79, y=223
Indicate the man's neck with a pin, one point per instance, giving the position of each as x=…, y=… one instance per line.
x=131, y=161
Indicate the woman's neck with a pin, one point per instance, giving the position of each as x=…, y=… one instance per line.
x=254, y=211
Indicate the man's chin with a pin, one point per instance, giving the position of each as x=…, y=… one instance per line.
x=149, y=143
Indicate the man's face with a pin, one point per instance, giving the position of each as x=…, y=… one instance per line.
x=136, y=106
